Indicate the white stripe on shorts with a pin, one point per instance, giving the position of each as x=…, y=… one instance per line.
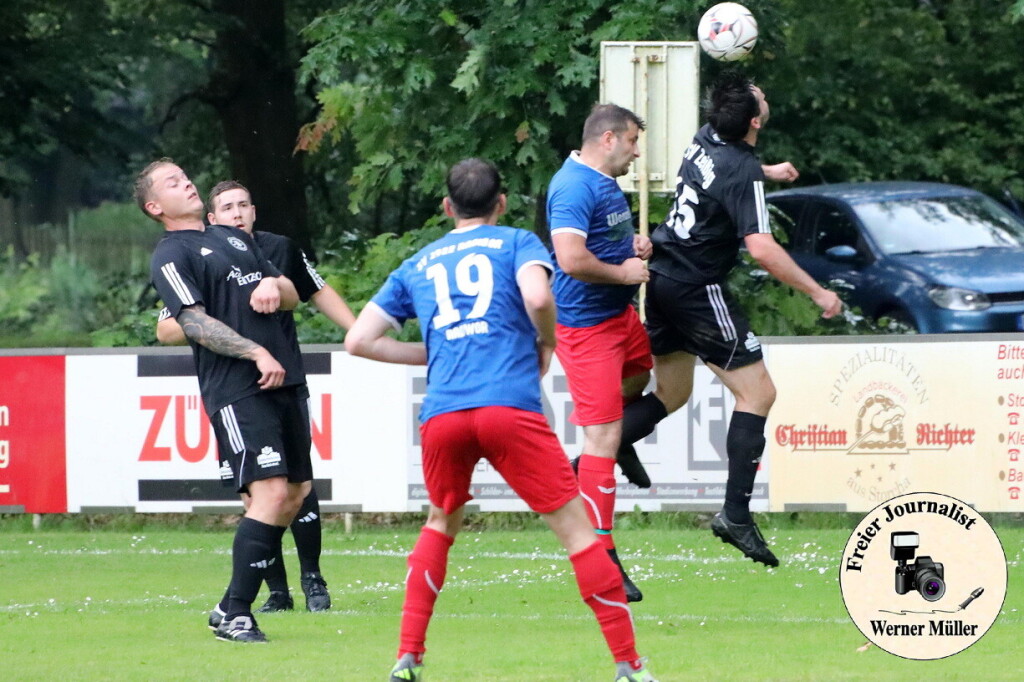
x=717, y=301
x=227, y=418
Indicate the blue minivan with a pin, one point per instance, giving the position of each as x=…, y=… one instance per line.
x=939, y=258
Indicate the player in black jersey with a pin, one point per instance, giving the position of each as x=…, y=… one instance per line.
x=230, y=203
x=224, y=293
x=719, y=204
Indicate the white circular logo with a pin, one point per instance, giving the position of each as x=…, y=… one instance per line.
x=923, y=576
x=237, y=243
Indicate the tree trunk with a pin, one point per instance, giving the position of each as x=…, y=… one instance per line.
x=253, y=88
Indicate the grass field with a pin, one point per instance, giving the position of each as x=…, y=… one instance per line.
x=132, y=605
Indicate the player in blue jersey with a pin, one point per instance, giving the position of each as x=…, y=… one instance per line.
x=487, y=314
x=602, y=345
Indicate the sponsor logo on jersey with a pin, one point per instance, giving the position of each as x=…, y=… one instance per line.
x=752, y=343
x=225, y=471
x=268, y=457
x=205, y=251
x=236, y=274
x=237, y=243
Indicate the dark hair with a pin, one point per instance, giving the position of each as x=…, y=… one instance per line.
x=225, y=186
x=144, y=185
x=605, y=117
x=730, y=104
x=474, y=186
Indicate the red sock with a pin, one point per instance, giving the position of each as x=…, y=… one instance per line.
x=428, y=564
x=597, y=486
x=600, y=586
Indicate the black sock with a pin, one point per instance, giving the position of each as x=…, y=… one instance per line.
x=276, y=575
x=640, y=417
x=744, y=445
x=306, y=530
x=257, y=544
x=223, y=603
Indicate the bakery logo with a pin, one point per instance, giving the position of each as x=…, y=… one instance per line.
x=923, y=576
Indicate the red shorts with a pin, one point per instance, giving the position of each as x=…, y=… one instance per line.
x=519, y=445
x=596, y=360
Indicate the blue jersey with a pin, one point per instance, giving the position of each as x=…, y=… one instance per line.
x=481, y=345
x=589, y=203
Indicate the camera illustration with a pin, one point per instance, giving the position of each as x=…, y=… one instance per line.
x=924, y=575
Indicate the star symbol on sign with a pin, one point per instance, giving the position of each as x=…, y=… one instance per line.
x=857, y=473
x=892, y=466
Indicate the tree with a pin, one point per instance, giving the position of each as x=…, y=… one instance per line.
x=415, y=86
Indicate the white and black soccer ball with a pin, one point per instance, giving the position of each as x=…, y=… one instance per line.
x=727, y=31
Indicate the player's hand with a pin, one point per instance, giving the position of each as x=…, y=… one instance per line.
x=781, y=172
x=271, y=371
x=829, y=302
x=634, y=271
x=266, y=297
x=642, y=246
x=544, y=353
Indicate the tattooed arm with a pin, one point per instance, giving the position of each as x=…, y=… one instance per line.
x=223, y=340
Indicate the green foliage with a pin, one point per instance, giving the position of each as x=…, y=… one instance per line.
x=418, y=86
x=359, y=277
x=22, y=291
x=911, y=91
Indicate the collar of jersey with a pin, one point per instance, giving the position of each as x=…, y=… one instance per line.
x=575, y=156
x=460, y=230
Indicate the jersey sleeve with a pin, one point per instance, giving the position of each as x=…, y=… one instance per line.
x=175, y=276
x=301, y=272
x=530, y=251
x=745, y=204
x=570, y=205
x=394, y=301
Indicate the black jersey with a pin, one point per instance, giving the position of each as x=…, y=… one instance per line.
x=219, y=268
x=719, y=200
x=292, y=261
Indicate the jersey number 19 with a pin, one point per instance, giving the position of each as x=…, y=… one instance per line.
x=481, y=288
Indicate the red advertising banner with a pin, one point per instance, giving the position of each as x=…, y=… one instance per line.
x=32, y=444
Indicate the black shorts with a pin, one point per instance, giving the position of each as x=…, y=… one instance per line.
x=699, y=319
x=263, y=436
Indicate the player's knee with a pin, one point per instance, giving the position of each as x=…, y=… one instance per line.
x=602, y=578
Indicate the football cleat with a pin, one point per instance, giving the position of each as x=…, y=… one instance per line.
x=625, y=673
x=633, y=592
x=407, y=670
x=745, y=537
x=240, y=629
x=631, y=466
x=315, y=588
x=277, y=601
x=216, y=616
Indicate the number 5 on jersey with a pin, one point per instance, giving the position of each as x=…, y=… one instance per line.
x=480, y=288
x=682, y=217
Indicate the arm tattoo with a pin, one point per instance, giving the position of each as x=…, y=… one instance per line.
x=214, y=334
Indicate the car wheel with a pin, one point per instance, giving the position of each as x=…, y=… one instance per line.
x=899, y=321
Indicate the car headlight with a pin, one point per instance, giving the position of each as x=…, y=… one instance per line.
x=955, y=298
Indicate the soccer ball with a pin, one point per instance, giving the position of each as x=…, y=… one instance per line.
x=727, y=31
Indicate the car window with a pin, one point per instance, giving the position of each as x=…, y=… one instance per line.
x=832, y=227
x=785, y=216
x=931, y=224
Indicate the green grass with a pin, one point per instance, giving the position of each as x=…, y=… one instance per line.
x=120, y=604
